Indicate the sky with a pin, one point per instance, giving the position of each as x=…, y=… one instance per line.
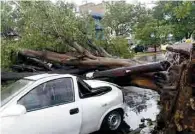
x=80, y=2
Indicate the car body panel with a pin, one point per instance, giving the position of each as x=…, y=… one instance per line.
x=99, y=106
x=57, y=119
x=54, y=119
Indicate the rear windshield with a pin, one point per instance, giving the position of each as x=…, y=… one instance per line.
x=9, y=92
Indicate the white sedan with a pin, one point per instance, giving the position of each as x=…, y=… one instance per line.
x=60, y=104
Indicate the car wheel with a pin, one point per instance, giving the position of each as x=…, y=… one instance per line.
x=112, y=121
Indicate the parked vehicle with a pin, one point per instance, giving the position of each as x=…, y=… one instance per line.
x=138, y=48
x=56, y=103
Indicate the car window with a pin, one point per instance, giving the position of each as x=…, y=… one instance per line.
x=55, y=92
x=83, y=87
x=9, y=92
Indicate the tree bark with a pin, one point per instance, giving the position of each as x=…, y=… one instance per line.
x=155, y=48
x=183, y=49
x=102, y=52
x=85, y=59
x=140, y=69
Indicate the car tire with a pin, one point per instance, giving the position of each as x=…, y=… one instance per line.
x=112, y=121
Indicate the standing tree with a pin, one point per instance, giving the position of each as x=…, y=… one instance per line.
x=118, y=17
x=152, y=32
x=121, y=17
x=179, y=14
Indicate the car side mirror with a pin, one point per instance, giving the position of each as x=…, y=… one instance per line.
x=14, y=110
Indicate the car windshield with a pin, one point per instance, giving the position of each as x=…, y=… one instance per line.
x=9, y=92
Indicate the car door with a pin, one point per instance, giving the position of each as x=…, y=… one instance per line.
x=51, y=108
x=94, y=108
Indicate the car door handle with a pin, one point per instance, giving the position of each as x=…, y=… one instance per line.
x=74, y=111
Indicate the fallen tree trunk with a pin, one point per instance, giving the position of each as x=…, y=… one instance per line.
x=183, y=49
x=26, y=68
x=39, y=63
x=178, y=103
x=87, y=59
x=45, y=55
x=144, y=82
x=140, y=69
x=102, y=52
x=7, y=76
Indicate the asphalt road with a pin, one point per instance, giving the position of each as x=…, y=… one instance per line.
x=151, y=58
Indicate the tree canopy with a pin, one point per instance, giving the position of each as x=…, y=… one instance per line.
x=121, y=17
x=167, y=19
x=44, y=25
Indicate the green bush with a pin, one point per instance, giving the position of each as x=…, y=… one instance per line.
x=117, y=47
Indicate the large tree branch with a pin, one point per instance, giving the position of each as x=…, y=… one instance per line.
x=84, y=60
x=101, y=51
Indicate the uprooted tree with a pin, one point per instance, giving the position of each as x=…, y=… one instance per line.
x=176, y=89
x=178, y=114
x=173, y=80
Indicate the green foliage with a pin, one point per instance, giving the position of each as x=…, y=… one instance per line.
x=117, y=46
x=120, y=47
x=55, y=21
x=153, y=27
x=8, y=14
x=121, y=17
x=41, y=25
x=45, y=23
x=179, y=14
x=7, y=49
x=168, y=17
x=118, y=17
